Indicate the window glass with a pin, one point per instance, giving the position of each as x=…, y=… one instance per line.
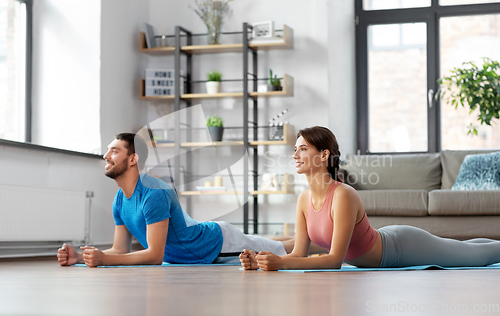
x=464, y=39
x=459, y=2
x=397, y=87
x=395, y=4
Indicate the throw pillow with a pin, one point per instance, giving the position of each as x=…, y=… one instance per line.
x=479, y=172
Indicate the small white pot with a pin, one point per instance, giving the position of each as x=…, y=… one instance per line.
x=213, y=87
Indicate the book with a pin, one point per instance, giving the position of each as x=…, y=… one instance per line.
x=150, y=36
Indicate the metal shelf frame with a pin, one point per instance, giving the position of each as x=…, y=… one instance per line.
x=247, y=97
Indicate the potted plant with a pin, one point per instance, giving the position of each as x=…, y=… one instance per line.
x=475, y=87
x=275, y=83
x=215, y=128
x=213, y=83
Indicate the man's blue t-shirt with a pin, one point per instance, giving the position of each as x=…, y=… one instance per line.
x=153, y=200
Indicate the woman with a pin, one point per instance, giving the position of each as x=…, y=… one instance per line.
x=330, y=204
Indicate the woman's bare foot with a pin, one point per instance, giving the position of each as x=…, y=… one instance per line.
x=248, y=261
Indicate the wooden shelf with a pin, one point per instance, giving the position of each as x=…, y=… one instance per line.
x=212, y=96
x=287, y=92
x=157, y=50
x=288, y=133
x=287, y=43
x=287, y=189
x=215, y=144
x=288, y=139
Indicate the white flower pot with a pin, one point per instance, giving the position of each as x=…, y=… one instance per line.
x=213, y=87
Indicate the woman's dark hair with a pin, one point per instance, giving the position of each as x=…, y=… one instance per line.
x=135, y=144
x=322, y=138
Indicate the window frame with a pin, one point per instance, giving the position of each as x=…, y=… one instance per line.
x=430, y=15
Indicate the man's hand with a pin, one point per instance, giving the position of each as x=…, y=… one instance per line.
x=268, y=261
x=67, y=255
x=93, y=257
x=247, y=259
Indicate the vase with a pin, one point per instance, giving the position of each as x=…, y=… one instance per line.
x=213, y=34
x=216, y=133
x=214, y=22
x=213, y=87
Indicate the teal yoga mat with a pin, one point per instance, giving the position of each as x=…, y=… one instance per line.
x=428, y=267
x=164, y=264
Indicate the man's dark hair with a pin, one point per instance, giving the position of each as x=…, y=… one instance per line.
x=135, y=145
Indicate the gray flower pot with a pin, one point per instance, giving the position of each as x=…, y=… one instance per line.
x=275, y=88
x=216, y=133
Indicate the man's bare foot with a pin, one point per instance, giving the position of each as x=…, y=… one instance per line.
x=248, y=261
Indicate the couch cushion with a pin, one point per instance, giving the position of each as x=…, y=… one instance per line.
x=479, y=172
x=402, y=172
x=451, y=161
x=453, y=202
x=394, y=202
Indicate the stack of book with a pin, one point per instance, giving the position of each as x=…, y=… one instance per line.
x=161, y=82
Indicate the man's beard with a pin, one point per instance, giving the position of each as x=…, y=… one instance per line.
x=117, y=169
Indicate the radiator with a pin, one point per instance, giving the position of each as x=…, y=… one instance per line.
x=29, y=214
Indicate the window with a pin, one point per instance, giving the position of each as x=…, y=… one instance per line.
x=402, y=48
x=66, y=63
x=13, y=60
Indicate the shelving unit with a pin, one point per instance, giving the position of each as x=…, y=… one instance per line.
x=246, y=48
x=287, y=43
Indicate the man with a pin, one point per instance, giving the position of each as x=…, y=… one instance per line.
x=148, y=209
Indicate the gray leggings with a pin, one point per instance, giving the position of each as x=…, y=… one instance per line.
x=405, y=246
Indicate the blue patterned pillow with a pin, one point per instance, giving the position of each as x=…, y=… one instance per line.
x=479, y=172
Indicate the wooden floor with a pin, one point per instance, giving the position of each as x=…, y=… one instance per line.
x=44, y=288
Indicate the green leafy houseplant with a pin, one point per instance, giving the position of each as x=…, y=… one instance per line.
x=275, y=83
x=214, y=76
x=215, y=128
x=214, y=82
x=475, y=87
x=214, y=121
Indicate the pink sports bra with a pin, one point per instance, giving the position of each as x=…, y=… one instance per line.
x=320, y=228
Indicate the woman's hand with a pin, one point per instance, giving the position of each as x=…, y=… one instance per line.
x=268, y=261
x=67, y=255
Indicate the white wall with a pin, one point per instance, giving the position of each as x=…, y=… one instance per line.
x=43, y=169
x=121, y=67
x=342, y=74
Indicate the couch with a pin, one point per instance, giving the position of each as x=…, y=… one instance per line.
x=415, y=189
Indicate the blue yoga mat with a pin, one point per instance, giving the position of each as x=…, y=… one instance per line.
x=164, y=264
x=427, y=267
